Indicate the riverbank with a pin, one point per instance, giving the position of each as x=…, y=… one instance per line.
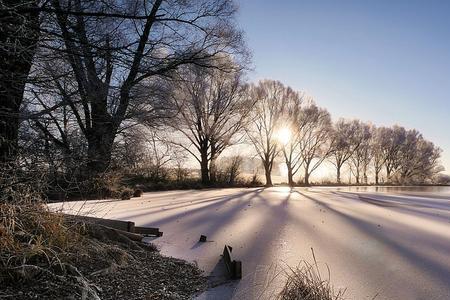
x=45, y=256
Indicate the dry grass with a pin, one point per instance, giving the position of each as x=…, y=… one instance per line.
x=305, y=282
x=46, y=255
x=31, y=235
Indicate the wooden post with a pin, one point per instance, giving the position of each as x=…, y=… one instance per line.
x=130, y=227
x=234, y=267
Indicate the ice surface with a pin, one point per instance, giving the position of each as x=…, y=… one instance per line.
x=395, y=245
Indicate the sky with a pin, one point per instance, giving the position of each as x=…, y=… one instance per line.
x=387, y=62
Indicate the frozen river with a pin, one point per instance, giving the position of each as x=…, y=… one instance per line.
x=388, y=243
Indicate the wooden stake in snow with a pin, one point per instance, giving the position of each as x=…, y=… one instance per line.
x=234, y=267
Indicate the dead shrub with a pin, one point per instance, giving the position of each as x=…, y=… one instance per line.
x=137, y=193
x=253, y=181
x=105, y=185
x=126, y=193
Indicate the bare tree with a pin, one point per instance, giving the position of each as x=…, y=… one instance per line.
x=441, y=179
x=157, y=157
x=315, y=143
x=345, y=141
x=233, y=169
x=419, y=159
x=179, y=159
x=229, y=169
x=361, y=157
x=406, y=156
x=380, y=141
x=113, y=48
x=141, y=150
x=394, y=138
x=212, y=111
x=292, y=129
x=266, y=119
x=19, y=34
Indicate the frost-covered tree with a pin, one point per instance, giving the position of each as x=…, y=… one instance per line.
x=419, y=159
x=395, y=138
x=346, y=139
x=379, y=142
x=315, y=144
x=361, y=157
x=406, y=155
x=104, y=53
x=266, y=120
x=290, y=132
x=19, y=34
x=212, y=109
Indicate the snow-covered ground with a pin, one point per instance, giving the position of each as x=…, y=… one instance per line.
x=393, y=245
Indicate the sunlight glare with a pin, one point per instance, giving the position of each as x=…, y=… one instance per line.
x=284, y=135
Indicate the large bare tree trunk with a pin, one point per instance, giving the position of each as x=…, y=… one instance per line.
x=100, y=136
x=100, y=125
x=204, y=165
x=19, y=33
x=338, y=174
x=268, y=174
x=365, y=177
x=388, y=174
x=205, y=173
x=290, y=177
x=306, y=180
x=212, y=163
x=99, y=152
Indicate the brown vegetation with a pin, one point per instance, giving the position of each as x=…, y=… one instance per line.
x=48, y=255
x=305, y=282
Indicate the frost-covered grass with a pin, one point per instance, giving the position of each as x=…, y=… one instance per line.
x=305, y=282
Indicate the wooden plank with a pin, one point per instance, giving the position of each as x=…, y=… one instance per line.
x=120, y=225
x=116, y=224
x=132, y=236
x=148, y=231
x=234, y=267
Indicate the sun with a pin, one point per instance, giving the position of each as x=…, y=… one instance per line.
x=283, y=135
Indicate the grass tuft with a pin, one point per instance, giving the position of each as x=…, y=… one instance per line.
x=305, y=282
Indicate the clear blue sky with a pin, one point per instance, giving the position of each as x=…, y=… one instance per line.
x=387, y=62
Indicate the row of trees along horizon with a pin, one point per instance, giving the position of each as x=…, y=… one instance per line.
x=95, y=87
